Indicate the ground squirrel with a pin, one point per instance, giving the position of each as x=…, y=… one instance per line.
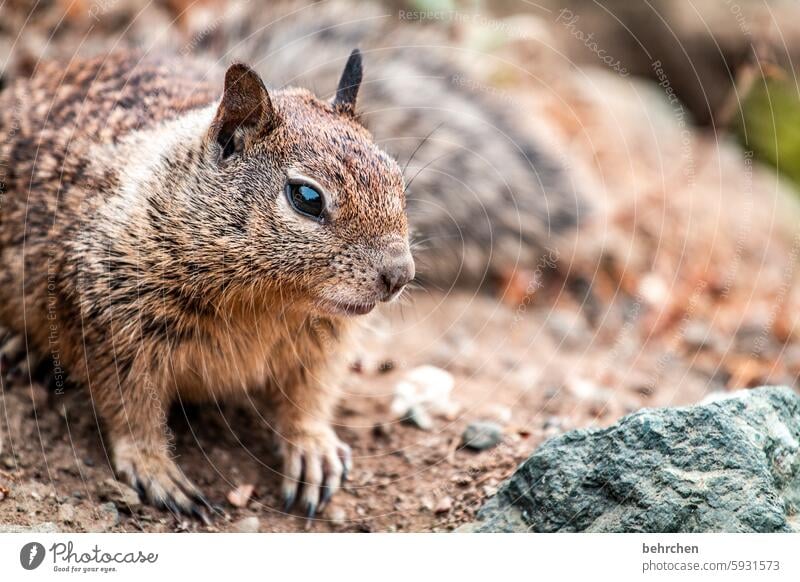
x=491, y=187
x=165, y=243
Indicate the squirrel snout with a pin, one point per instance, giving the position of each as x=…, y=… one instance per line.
x=395, y=276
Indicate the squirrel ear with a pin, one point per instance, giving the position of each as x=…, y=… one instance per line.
x=245, y=109
x=347, y=92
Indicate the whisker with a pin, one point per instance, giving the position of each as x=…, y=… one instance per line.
x=419, y=145
x=422, y=169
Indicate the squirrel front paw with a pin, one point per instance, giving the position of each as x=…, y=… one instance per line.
x=159, y=481
x=317, y=463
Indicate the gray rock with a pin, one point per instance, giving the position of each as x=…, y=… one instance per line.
x=66, y=513
x=482, y=435
x=248, y=525
x=107, y=516
x=732, y=465
x=417, y=416
x=125, y=498
x=568, y=329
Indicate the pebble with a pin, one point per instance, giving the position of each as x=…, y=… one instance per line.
x=66, y=513
x=382, y=430
x=248, y=525
x=419, y=417
x=568, y=329
x=337, y=515
x=39, y=396
x=443, y=505
x=241, y=495
x=698, y=336
x=482, y=435
x=108, y=516
x=422, y=392
x=653, y=289
x=122, y=496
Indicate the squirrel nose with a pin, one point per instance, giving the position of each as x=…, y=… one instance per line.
x=396, y=276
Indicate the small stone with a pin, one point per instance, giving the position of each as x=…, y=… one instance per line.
x=653, y=289
x=697, y=336
x=568, y=329
x=382, y=430
x=108, y=516
x=66, y=513
x=241, y=495
x=482, y=435
x=443, y=505
x=248, y=525
x=337, y=515
x=426, y=388
x=122, y=496
x=39, y=396
x=417, y=416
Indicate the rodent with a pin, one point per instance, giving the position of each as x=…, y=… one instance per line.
x=490, y=191
x=172, y=237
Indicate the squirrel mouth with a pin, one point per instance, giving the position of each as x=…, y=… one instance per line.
x=342, y=308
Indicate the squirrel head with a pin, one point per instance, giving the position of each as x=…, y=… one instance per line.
x=303, y=196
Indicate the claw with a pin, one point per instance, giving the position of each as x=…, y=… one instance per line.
x=288, y=499
x=200, y=514
x=171, y=506
x=139, y=488
x=327, y=493
x=313, y=467
x=311, y=512
x=164, y=486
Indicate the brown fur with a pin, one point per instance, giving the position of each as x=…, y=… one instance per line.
x=156, y=269
x=491, y=189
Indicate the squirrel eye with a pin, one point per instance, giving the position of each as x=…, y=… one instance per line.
x=305, y=199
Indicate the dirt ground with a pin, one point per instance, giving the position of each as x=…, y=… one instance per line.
x=527, y=371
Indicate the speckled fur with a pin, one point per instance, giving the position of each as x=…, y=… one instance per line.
x=491, y=192
x=155, y=271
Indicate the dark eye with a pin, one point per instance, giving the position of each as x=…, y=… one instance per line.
x=305, y=199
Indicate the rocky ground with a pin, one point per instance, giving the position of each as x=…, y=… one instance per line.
x=524, y=374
